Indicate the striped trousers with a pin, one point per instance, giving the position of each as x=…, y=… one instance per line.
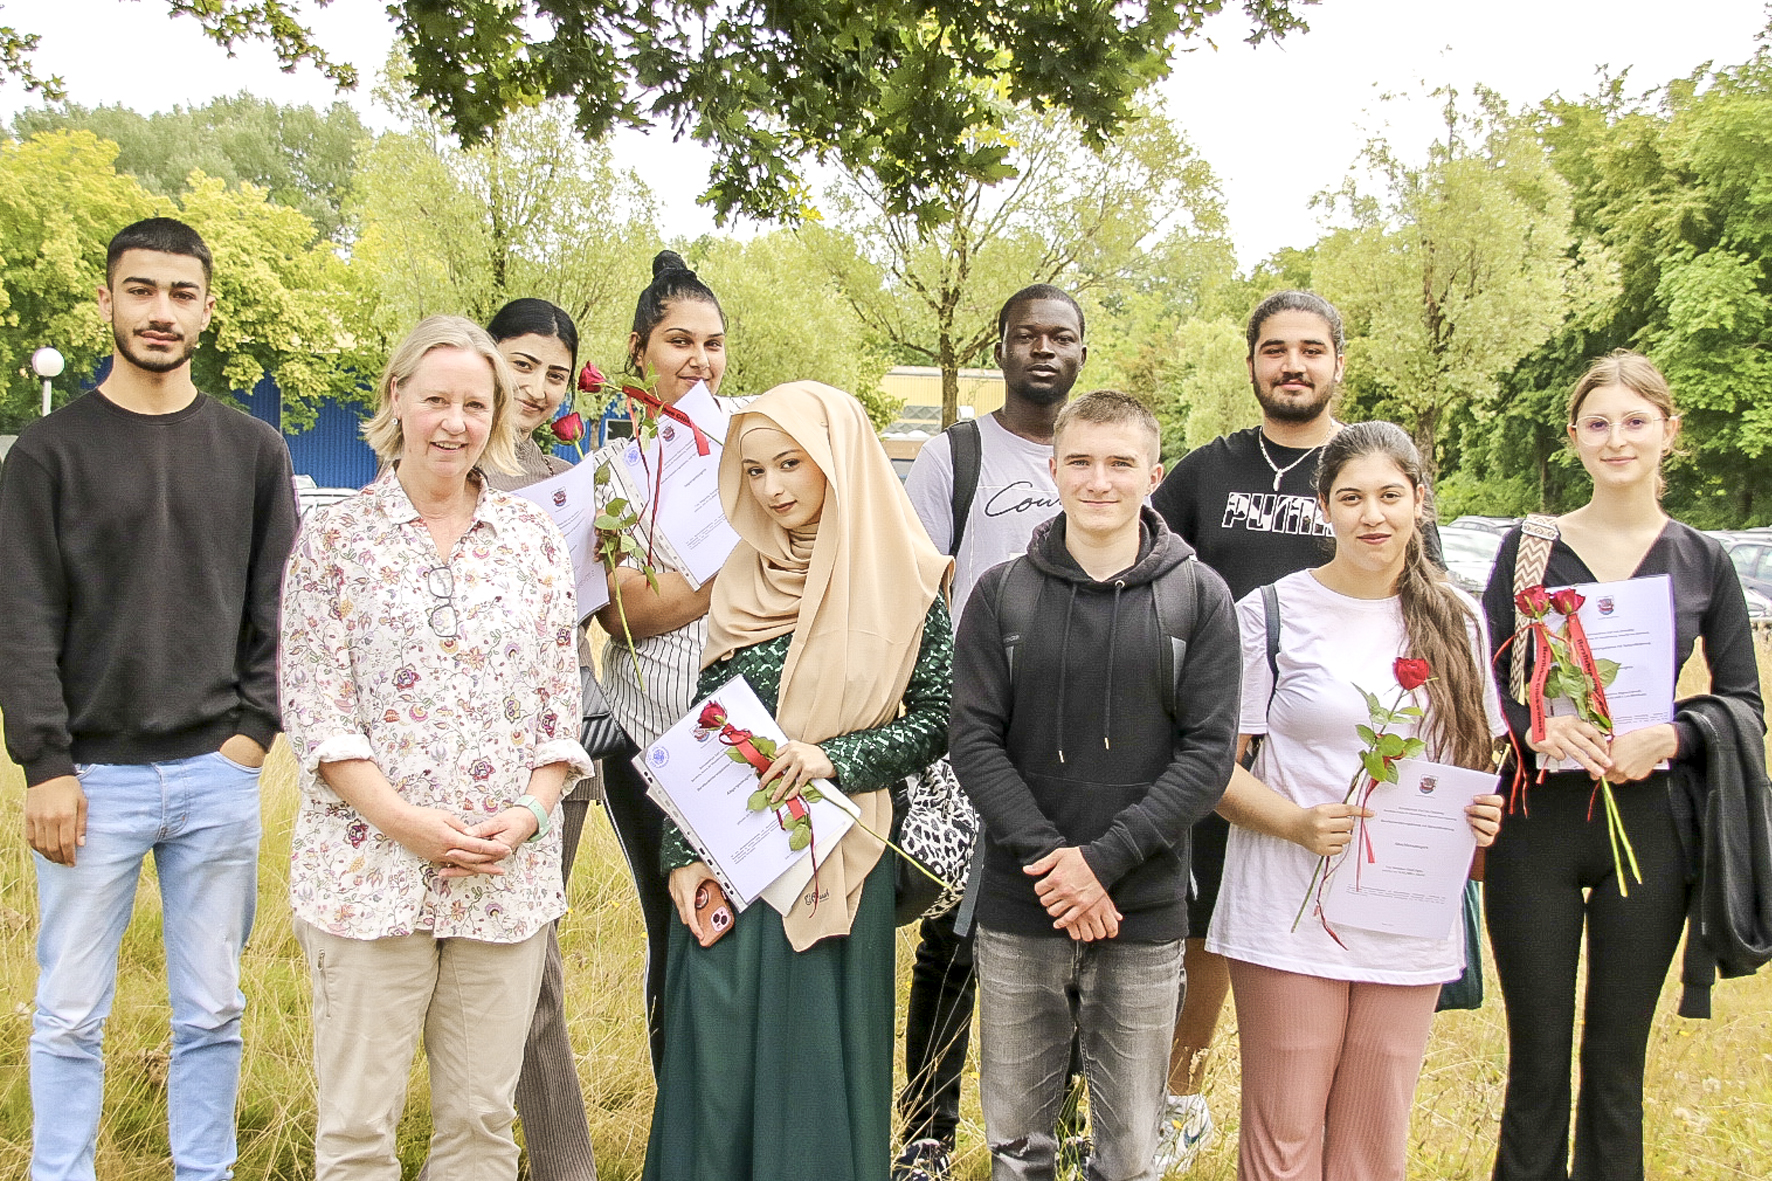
x=1329, y=1073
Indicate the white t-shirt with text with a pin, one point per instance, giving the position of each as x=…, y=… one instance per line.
x=1015, y=493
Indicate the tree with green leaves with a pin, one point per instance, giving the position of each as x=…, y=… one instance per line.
x=786, y=321
x=284, y=305
x=895, y=88
x=1072, y=214
x=302, y=157
x=1454, y=270
x=532, y=210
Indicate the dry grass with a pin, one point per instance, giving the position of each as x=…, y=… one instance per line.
x=1709, y=1084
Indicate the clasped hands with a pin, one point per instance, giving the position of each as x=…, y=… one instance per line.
x=460, y=849
x=1622, y=758
x=1074, y=896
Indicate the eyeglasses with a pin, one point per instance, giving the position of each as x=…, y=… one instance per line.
x=1597, y=428
x=441, y=583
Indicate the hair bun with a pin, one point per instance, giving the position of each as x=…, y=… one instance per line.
x=666, y=261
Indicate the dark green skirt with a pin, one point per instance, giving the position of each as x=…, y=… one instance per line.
x=778, y=1064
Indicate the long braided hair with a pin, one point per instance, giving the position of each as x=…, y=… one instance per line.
x=1436, y=620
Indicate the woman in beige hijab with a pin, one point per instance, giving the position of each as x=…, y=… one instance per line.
x=778, y=1037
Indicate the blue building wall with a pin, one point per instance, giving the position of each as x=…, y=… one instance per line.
x=332, y=451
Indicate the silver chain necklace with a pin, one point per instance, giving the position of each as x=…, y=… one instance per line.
x=1279, y=471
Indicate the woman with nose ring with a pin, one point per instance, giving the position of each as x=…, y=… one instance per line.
x=678, y=339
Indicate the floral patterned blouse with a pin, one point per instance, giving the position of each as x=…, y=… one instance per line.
x=456, y=679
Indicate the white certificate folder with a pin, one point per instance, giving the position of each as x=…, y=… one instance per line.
x=1406, y=872
x=707, y=793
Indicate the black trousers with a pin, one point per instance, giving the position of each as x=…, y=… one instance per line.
x=938, y=1029
x=1549, y=875
x=639, y=827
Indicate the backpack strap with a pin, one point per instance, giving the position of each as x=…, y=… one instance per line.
x=1175, y=599
x=1270, y=610
x=967, y=447
x=1538, y=533
x=1017, y=596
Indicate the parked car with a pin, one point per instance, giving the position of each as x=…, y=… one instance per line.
x=1470, y=555
x=309, y=496
x=1495, y=525
x=1751, y=551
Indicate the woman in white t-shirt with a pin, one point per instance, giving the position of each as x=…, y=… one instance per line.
x=1333, y=1033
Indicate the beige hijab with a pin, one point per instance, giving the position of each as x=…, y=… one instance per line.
x=854, y=597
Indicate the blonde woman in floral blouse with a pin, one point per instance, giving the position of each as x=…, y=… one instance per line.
x=431, y=695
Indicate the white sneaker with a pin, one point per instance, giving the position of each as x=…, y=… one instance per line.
x=1185, y=1132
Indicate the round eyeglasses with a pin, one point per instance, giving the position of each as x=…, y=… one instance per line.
x=1597, y=428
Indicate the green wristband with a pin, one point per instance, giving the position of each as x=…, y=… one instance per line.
x=543, y=822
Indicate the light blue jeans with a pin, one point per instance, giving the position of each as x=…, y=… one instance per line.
x=1120, y=998
x=199, y=817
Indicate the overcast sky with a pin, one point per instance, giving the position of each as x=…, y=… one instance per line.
x=1278, y=123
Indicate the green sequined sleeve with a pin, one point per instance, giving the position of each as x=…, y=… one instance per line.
x=866, y=760
x=869, y=760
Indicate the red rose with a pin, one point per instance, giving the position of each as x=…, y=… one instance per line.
x=1411, y=673
x=1534, y=601
x=569, y=428
x=1566, y=601
x=712, y=716
x=591, y=379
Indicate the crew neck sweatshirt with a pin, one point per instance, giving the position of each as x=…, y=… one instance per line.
x=143, y=568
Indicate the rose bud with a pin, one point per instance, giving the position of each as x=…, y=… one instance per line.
x=1566, y=601
x=1411, y=673
x=591, y=379
x=569, y=428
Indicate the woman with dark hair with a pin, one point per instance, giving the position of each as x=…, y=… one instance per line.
x=1551, y=873
x=1334, y=1026
x=778, y=1046
x=678, y=339
x=540, y=343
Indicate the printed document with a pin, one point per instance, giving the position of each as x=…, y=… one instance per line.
x=1631, y=622
x=707, y=793
x=570, y=499
x=1405, y=872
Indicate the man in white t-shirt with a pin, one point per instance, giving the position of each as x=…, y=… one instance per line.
x=1007, y=454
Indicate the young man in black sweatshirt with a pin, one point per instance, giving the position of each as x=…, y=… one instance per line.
x=1094, y=722
x=145, y=527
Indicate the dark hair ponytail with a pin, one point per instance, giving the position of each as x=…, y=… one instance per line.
x=535, y=317
x=672, y=280
x=1436, y=621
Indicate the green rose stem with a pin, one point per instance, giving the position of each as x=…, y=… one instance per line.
x=1382, y=749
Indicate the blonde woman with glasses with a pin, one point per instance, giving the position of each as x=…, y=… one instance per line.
x=431, y=696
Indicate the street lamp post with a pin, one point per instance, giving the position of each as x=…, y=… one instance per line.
x=47, y=363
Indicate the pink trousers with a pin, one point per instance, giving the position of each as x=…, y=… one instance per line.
x=1329, y=1072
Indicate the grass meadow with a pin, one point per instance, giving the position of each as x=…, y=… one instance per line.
x=1709, y=1094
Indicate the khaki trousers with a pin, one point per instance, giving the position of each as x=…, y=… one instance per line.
x=373, y=998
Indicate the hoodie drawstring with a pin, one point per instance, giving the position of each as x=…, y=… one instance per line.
x=1064, y=651
x=1107, y=724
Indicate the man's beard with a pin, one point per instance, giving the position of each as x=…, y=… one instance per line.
x=151, y=362
x=1289, y=411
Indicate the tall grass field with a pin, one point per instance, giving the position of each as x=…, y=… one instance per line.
x=1709, y=1093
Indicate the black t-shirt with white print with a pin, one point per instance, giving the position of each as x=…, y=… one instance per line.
x=1221, y=499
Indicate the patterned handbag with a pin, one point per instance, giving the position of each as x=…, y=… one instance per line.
x=935, y=823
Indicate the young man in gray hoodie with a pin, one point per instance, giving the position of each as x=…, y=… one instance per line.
x=1094, y=722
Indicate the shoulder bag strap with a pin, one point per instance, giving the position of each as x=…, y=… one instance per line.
x=1537, y=534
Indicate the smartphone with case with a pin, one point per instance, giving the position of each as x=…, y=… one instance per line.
x=712, y=911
